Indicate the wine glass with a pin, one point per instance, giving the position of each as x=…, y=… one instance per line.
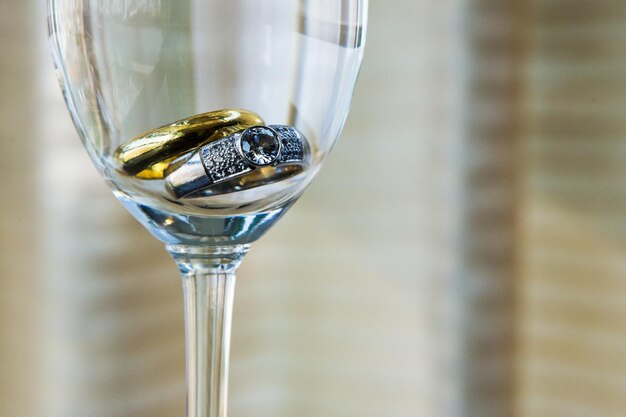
x=208, y=119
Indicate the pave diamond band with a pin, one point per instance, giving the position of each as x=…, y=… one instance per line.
x=257, y=156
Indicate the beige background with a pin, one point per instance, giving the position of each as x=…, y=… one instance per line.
x=468, y=262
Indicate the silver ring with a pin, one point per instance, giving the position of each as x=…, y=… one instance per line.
x=257, y=156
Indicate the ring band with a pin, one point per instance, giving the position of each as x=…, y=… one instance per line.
x=148, y=155
x=257, y=156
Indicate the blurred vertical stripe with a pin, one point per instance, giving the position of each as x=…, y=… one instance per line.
x=574, y=278
x=490, y=173
x=20, y=250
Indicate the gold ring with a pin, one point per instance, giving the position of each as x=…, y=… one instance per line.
x=148, y=155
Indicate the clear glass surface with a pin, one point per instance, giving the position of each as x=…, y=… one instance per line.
x=127, y=67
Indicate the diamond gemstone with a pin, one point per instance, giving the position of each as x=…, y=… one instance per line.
x=260, y=145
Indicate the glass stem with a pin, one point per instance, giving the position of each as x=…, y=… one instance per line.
x=208, y=275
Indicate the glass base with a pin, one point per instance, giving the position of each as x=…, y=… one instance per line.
x=195, y=230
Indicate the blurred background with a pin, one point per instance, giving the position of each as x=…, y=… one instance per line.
x=480, y=272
